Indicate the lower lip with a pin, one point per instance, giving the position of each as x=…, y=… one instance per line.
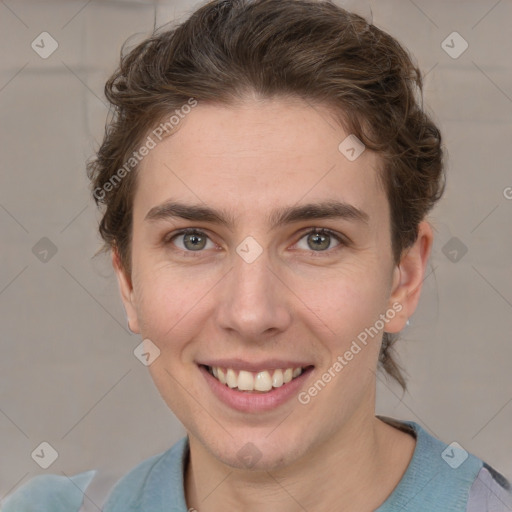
x=255, y=402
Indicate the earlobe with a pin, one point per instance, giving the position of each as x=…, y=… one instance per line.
x=408, y=278
x=127, y=293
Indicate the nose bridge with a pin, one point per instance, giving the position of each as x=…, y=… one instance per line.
x=254, y=299
x=252, y=278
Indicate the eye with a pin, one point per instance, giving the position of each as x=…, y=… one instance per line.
x=193, y=240
x=319, y=240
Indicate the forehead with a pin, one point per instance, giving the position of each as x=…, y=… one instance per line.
x=256, y=155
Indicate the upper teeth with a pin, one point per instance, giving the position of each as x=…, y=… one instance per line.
x=260, y=381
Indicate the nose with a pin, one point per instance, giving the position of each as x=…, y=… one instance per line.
x=255, y=301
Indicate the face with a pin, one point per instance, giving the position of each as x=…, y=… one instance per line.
x=251, y=292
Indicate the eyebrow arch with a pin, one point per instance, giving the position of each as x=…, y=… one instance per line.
x=278, y=217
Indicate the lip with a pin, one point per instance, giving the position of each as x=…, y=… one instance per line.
x=254, y=402
x=251, y=366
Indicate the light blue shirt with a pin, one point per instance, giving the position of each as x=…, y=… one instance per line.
x=439, y=478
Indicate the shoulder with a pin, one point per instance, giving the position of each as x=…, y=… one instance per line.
x=50, y=492
x=490, y=491
x=154, y=484
x=479, y=487
x=445, y=477
x=142, y=488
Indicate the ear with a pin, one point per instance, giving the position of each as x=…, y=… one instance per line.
x=126, y=289
x=408, y=278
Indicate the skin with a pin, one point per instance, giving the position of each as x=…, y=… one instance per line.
x=293, y=302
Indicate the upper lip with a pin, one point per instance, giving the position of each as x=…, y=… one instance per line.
x=252, y=366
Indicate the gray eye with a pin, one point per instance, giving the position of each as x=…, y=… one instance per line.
x=194, y=241
x=319, y=241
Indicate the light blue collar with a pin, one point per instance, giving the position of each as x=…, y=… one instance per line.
x=438, y=477
x=429, y=483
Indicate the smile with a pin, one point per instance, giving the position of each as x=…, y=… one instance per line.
x=262, y=381
x=255, y=386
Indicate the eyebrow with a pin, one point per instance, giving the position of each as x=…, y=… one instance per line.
x=278, y=217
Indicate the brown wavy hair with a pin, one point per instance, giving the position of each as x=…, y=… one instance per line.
x=312, y=50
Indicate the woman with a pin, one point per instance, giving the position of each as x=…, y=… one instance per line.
x=265, y=183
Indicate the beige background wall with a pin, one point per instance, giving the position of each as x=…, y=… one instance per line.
x=68, y=373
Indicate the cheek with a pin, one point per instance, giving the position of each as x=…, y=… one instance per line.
x=344, y=301
x=168, y=311
x=173, y=306
x=163, y=302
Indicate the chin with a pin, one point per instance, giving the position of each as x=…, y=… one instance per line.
x=261, y=450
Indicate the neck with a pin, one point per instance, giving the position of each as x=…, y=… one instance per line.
x=354, y=470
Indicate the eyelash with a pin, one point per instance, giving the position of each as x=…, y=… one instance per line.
x=320, y=231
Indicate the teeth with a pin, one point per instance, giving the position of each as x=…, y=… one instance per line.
x=262, y=381
x=231, y=378
x=245, y=381
x=278, y=379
